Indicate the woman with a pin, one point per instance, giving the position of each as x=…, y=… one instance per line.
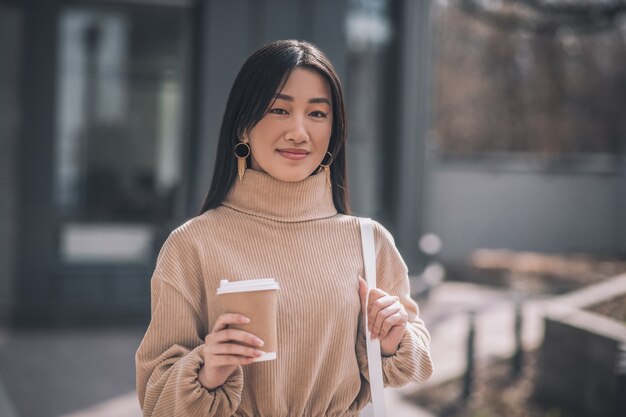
x=277, y=207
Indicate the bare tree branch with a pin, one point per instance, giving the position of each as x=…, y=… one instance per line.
x=545, y=18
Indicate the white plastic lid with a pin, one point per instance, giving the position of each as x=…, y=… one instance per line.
x=267, y=356
x=262, y=284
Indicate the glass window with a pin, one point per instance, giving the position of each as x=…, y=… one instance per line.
x=120, y=126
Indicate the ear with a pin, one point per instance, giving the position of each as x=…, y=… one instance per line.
x=244, y=137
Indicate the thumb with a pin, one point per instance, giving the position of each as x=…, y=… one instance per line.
x=362, y=291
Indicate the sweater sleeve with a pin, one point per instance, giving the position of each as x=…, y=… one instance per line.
x=170, y=354
x=412, y=361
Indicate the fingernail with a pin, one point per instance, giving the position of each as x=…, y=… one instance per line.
x=258, y=352
x=259, y=342
x=245, y=319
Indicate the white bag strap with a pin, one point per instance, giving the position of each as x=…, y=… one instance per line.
x=373, y=346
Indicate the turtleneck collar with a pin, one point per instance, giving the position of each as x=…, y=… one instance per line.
x=262, y=195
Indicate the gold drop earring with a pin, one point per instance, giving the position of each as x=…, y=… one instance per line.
x=242, y=151
x=327, y=169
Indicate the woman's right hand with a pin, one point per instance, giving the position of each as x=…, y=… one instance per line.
x=222, y=355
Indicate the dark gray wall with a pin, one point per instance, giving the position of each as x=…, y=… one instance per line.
x=9, y=120
x=230, y=32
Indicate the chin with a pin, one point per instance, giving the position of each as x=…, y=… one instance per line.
x=292, y=176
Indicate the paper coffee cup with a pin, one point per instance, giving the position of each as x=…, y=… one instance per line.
x=256, y=299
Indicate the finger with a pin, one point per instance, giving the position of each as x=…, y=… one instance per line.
x=374, y=295
x=214, y=353
x=213, y=360
x=235, y=335
x=233, y=349
x=229, y=318
x=397, y=319
x=382, y=316
x=362, y=292
x=223, y=360
x=378, y=305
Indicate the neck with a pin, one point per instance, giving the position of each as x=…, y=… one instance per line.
x=260, y=194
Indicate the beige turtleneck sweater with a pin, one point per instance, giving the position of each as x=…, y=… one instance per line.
x=292, y=232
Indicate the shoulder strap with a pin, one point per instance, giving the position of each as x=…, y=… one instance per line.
x=373, y=346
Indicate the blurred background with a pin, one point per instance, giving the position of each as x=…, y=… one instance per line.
x=489, y=136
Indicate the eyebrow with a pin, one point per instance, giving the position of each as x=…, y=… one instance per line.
x=313, y=100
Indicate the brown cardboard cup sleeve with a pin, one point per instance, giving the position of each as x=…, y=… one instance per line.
x=256, y=299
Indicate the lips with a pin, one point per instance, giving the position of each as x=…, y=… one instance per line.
x=293, y=154
x=294, y=150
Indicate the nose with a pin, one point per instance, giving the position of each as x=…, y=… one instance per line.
x=297, y=131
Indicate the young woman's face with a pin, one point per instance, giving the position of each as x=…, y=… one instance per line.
x=291, y=140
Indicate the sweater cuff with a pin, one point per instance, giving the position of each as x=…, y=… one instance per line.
x=410, y=363
x=221, y=401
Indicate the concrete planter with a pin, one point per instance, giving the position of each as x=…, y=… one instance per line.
x=577, y=369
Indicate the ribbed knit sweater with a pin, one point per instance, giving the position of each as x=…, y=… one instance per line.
x=292, y=232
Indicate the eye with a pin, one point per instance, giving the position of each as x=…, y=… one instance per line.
x=277, y=110
x=318, y=114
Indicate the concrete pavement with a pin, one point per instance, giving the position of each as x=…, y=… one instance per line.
x=55, y=373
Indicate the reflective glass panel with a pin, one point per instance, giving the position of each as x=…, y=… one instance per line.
x=121, y=94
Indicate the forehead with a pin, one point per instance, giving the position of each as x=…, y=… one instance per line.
x=306, y=83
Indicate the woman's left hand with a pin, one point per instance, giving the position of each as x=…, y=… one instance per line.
x=386, y=317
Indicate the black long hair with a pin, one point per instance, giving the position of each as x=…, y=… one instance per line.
x=261, y=77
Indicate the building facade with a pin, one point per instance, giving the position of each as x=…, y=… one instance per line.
x=110, y=111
